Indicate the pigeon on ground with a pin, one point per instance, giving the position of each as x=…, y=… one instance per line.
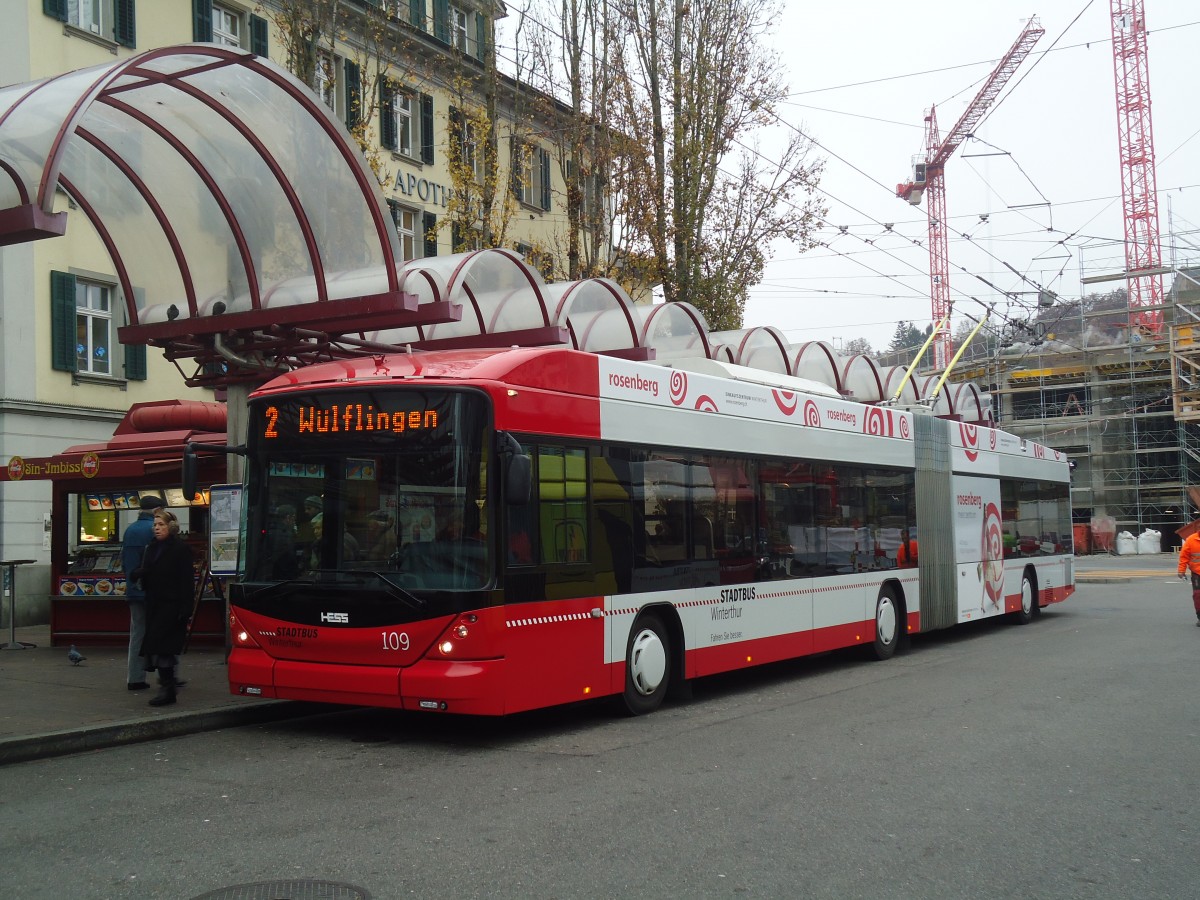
x=75, y=656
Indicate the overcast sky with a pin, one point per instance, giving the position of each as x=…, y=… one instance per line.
x=862, y=74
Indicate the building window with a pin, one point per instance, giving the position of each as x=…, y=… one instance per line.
x=87, y=15
x=327, y=81
x=463, y=132
x=401, y=127
x=458, y=29
x=82, y=327
x=406, y=229
x=109, y=20
x=402, y=111
x=531, y=175
x=226, y=26
x=93, y=328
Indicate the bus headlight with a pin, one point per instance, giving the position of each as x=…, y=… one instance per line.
x=447, y=647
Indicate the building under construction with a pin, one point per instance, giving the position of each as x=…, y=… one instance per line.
x=1121, y=401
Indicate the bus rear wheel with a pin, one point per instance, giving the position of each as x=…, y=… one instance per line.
x=888, y=615
x=647, y=666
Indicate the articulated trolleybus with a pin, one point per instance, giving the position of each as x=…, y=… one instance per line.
x=491, y=531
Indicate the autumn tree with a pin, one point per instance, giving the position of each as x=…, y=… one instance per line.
x=858, y=345
x=694, y=82
x=573, y=67
x=481, y=207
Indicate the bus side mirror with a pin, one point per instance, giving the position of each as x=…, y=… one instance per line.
x=518, y=480
x=517, y=469
x=189, y=472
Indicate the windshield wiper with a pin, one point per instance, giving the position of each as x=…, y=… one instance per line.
x=396, y=590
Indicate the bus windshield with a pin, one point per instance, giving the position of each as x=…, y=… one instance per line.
x=385, y=486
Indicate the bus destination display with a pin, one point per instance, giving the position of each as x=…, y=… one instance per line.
x=344, y=418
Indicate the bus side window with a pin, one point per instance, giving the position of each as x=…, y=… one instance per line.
x=562, y=504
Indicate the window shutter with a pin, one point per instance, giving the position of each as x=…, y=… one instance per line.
x=56, y=9
x=426, y=128
x=429, y=228
x=480, y=36
x=124, y=26
x=201, y=21
x=135, y=361
x=416, y=13
x=544, y=159
x=441, y=20
x=62, y=321
x=354, y=96
x=258, y=36
x=387, y=121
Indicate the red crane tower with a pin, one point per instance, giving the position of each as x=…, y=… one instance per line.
x=1139, y=193
x=929, y=177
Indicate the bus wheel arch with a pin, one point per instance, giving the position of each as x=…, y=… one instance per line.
x=652, y=659
x=891, y=620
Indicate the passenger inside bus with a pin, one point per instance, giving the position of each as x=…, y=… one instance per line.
x=381, y=536
x=350, y=549
x=281, y=543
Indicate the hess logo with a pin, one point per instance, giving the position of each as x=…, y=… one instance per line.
x=336, y=618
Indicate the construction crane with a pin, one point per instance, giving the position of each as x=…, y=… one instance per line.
x=929, y=177
x=1139, y=193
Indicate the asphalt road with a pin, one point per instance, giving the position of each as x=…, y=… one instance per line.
x=1055, y=760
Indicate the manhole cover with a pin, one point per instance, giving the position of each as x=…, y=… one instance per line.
x=292, y=889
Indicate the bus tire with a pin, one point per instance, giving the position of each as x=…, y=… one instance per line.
x=889, y=617
x=1029, y=599
x=647, y=666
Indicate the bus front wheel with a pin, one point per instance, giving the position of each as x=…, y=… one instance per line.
x=888, y=616
x=1029, y=600
x=647, y=666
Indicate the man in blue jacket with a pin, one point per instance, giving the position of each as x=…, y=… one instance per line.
x=138, y=536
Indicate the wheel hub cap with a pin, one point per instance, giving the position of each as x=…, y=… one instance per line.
x=647, y=663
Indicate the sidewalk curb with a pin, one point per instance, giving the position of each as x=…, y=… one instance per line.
x=79, y=740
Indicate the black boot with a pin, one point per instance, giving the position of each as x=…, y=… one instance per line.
x=166, y=687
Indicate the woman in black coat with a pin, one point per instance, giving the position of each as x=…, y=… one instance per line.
x=167, y=576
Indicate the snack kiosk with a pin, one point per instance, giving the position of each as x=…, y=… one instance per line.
x=96, y=495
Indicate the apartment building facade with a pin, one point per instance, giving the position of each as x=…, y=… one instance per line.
x=407, y=78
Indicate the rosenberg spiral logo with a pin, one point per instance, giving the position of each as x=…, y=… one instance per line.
x=992, y=438
x=904, y=427
x=705, y=403
x=787, y=401
x=812, y=415
x=970, y=440
x=678, y=387
x=992, y=548
x=879, y=422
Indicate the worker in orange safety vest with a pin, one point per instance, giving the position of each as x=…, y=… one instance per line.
x=1189, y=560
x=906, y=556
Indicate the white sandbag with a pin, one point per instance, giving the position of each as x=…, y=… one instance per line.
x=1126, y=544
x=1149, y=541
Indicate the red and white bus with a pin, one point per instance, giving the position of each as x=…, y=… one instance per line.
x=491, y=531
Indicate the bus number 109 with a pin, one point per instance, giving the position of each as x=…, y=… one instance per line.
x=394, y=640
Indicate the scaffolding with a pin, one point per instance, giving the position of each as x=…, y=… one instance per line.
x=1112, y=407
